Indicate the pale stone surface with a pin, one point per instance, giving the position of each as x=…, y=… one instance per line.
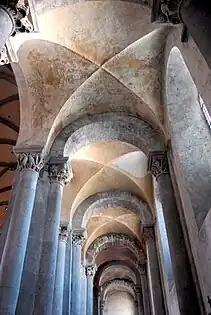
x=139, y=68
x=119, y=303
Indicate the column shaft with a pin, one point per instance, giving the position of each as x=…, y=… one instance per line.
x=90, y=271
x=45, y=285
x=15, y=247
x=34, y=247
x=84, y=289
x=60, y=269
x=77, y=241
x=145, y=289
x=6, y=26
x=157, y=302
x=67, y=277
x=186, y=293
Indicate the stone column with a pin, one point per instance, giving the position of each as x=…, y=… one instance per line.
x=186, y=293
x=7, y=25
x=68, y=277
x=60, y=269
x=59, y=176
x=15, y=247
x=83, y=291
x=156, y=294
x=139, y=302
x=34, y=248
x=102, y=306
x=137, y=310
x=98, y=303
x=144, y=288
x=90, y=272
x=78, y=239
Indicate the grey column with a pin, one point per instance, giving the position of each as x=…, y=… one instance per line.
x=144, y=288
x=15, y=247
x=60, y=270
x=90, y=272
x=78, y=239
x=83, y=292
x=6, y=25
x=98, y=303
x=102, y=306
x=34, y=247
x=139, y=302
x=156, y=294
x=59, y=175
x=186, y=293
x=68, y=277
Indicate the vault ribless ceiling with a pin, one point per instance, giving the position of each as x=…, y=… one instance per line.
x=89, y=58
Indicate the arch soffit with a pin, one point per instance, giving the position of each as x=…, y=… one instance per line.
x=111, y=199
x=127, y=285
x=103, y=242
x=133, y=265
x=114, y=270
x=107, y=127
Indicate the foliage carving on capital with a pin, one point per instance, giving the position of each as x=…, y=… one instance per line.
x=166, y=11
x=141, y=268
x=20, y=15
x=63, y=233
x=78, y=239
x=149, y=234
x=30, y=160
x=158, y=163
x=59, y=173
x=90, y=270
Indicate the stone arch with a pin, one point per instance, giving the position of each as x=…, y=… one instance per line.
x=114, y=199
x=122, y=283
x=112, y=239
x=117, y=271
x=107, y=127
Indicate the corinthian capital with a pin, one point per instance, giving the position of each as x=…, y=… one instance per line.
x=90, y=270
x=158, y=163
x=20, y=15
x=149, y=234
x=59, y=171
x=63, y=233
x=78, y=237
x=166, y=11
x=31, y=159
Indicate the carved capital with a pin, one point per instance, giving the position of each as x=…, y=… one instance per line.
x=60, y=172
x=63, y=233
x=4, y=56
x=141, y=269
x=30, y=160
x=158, y=163
x=20, y=15
x=166, y=11
x=78, y=238
x=149, y=234
x=90, y=270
